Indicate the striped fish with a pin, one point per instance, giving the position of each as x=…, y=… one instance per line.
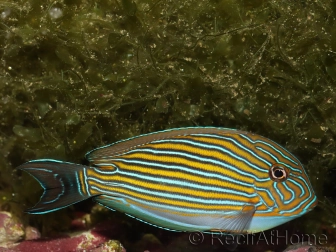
x=188, y=179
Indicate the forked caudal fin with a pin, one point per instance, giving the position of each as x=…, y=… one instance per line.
x=61, y=183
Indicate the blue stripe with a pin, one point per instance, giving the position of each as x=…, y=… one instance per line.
x=40, y=182
x=104, y=171
x=39, y=169
x=59, y=195
x=152, y=224
x=78, y=184
x=50, y=161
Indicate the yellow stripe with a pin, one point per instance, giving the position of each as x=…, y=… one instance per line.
x=82, y=183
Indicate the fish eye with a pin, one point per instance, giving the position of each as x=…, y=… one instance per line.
x=278, y=173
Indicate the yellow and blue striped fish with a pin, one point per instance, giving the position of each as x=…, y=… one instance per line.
x=188, y=179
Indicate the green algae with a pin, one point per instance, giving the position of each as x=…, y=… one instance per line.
x=75, y=75
x=28, y=134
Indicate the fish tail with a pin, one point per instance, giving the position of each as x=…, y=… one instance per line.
x=61, y=182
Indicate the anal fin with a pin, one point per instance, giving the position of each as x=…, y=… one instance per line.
x=231, y=222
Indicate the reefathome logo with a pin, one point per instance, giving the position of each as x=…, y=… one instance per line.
x=272, y=238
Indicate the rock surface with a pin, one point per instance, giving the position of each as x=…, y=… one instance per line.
x=97, y=239
x=11, y=230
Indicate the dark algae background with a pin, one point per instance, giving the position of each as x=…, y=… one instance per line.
x=79, y=74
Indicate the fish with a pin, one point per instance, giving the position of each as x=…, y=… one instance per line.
x=184, y=179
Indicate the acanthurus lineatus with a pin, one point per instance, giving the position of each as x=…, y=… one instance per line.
x=187, y=179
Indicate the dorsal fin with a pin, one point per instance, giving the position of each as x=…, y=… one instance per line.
x=121, y=147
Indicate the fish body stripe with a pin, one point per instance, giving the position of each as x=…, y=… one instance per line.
x=175, y=191
x=224, y=151
x=170, y=169
x=201, y=186
x=274, y=146
x=241, y=147
x=130, y=198
x=133, y=182
x=192, y=200
x=220, y=164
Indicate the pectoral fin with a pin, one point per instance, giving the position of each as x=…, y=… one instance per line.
x=236, y=221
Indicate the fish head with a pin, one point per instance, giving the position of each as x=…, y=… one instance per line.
x=284, y=188
x=291, y=189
